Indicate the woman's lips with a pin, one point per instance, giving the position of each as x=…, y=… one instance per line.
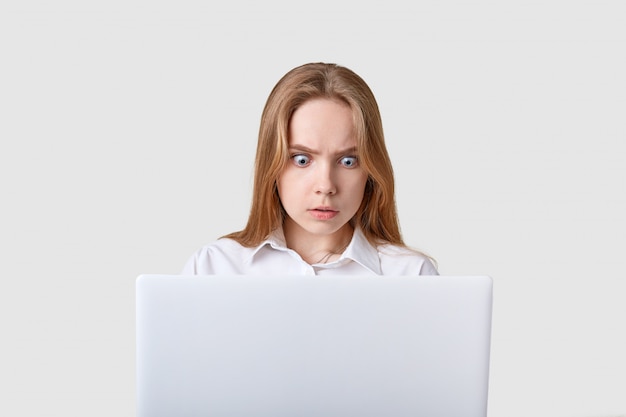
x=323, y=213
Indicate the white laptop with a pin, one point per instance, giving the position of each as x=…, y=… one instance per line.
x=300, y=346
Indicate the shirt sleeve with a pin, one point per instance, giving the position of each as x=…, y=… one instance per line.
x=212, y=259
x=200, y=263
x=428, y=268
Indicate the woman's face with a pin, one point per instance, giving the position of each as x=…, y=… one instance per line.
x=322, y=185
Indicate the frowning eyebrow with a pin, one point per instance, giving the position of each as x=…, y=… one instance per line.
x=302, y=148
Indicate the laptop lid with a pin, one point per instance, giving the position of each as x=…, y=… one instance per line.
x=313, y=346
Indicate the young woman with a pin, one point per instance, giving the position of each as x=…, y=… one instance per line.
x=323, y=199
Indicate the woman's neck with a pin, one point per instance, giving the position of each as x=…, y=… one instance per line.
x=314, y=248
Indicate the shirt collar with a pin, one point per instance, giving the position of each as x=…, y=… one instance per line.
x=362, y=252
x=276, y=240
x=359, y=250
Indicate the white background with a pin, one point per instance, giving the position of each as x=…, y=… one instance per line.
x=128, y=132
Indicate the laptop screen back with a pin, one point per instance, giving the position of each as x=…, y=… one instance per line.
x=313, y=346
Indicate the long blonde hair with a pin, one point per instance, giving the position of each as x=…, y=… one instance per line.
x=377, y=215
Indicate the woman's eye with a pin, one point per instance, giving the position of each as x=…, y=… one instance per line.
x=301, y=160
x=349, y=161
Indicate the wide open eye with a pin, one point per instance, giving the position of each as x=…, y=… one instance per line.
x=349, y=161
x=301, y=160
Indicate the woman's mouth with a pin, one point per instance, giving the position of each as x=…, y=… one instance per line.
x=323, y=213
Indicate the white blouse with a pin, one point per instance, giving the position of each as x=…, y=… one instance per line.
x=272, y=256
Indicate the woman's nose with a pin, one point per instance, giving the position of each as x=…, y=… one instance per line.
x=325, y=183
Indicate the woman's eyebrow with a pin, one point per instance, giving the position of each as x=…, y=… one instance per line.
x=303, y=148
x=351, y=149
x=296, y=147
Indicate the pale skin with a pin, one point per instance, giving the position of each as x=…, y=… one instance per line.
x=322, y=186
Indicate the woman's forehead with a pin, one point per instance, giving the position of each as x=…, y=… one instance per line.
x=322, y=121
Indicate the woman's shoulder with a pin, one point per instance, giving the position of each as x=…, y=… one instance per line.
x=223, y=254
x=404, y=260
x=224, y=244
